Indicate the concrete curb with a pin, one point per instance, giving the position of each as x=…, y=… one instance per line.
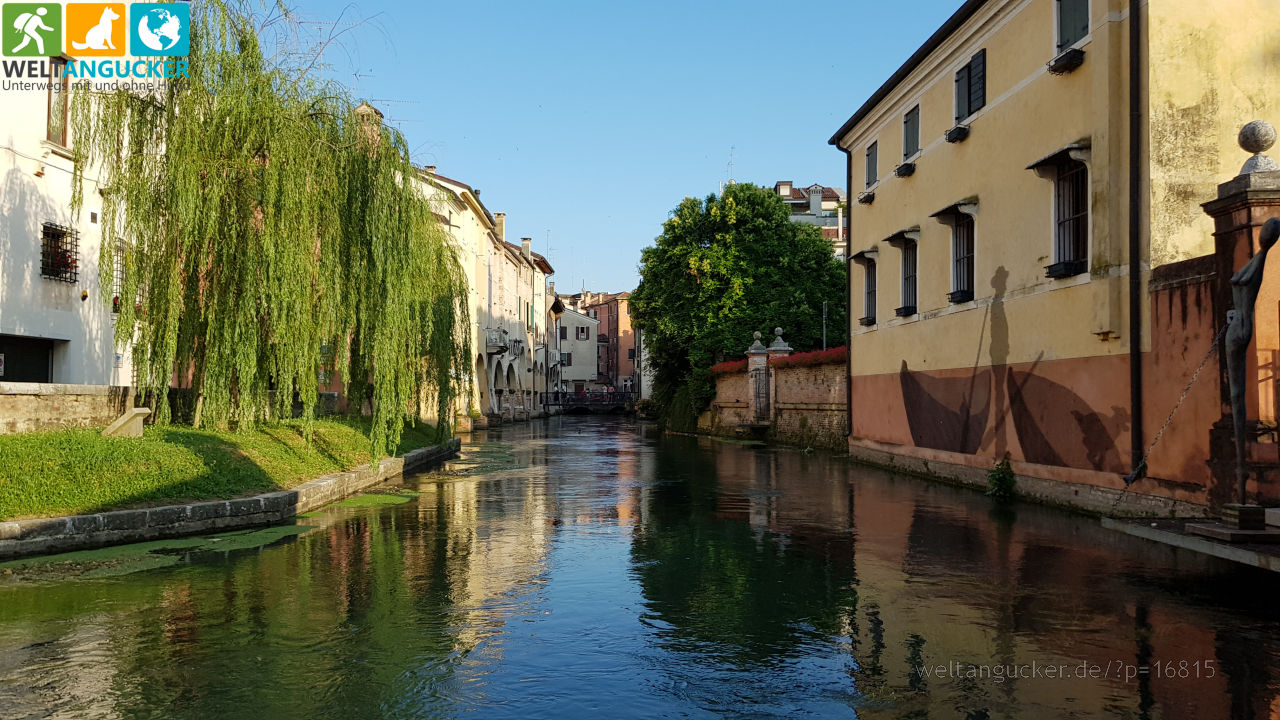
x=78, y=532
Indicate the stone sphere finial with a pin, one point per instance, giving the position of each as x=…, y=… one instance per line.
x=777, y=331
x=1257, y=137
x=756, y=334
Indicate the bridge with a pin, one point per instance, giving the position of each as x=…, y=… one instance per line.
x=600, y=401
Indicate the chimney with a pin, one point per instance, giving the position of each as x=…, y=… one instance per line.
x=500, y=226
x=370, y=119
x=815, y=199
x=430, y=168
x=526, y=247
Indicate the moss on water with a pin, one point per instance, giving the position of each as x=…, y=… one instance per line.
x=137, y=557
x=377, y=499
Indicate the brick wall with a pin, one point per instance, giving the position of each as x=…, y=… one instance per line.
x=28, y=407
x=807, y=406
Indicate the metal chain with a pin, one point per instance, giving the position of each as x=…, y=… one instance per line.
x=1213, y=348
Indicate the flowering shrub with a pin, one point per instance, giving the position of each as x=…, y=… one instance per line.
x=830, y=356
x=729, y=366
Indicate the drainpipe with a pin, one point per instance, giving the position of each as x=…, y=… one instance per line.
x=848, y=298
x=1135, y=236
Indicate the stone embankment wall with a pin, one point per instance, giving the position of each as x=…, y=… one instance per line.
x=75, y=532
x=27, y=407
x=807, y=407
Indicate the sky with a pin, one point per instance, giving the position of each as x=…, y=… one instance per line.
x=588, y=123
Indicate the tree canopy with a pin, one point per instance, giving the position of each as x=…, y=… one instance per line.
x=261, y=231
x=723, y=268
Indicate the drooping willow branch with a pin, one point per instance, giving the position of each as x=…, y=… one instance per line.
x=270, y=233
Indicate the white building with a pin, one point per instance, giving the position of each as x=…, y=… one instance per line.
x=510, y=314
x=577, y=351
x=56, y=321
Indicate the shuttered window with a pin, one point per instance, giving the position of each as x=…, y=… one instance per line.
x=1073, y=22
x=872, y=152
x=911, y=133
x=971, y=86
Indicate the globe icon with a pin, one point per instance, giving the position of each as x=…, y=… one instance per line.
x=159, y=29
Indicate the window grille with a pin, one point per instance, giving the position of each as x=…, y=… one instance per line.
x=962, y=259
x=59, y=253
x=1072, y=200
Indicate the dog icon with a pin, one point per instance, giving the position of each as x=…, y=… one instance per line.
x=99, y=36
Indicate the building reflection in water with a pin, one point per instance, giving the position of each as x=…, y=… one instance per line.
x=915, y=574
x=582, y=562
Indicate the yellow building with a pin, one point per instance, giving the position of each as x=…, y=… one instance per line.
x=992, y=180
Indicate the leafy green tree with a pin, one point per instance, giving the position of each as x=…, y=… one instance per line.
x=723, y=268
x=269, y=231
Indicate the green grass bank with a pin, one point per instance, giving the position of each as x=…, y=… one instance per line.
x=71, y=472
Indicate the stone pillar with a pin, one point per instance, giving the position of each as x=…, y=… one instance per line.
x=777, y=349
x=757, y=373
x=1244, y=203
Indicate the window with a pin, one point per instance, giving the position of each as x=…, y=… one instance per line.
x=582, y=333
x=869, y=294
x=1073, y=22
x=56, y=125
x=564, y=332
x=631, y=353
x=962, y=259
x=1071, y=213
x=59, y=253
x=566, y=359
x=971, y=87
x=908, y=279
x=911, y=133
x=872, y=151
x=117, y=279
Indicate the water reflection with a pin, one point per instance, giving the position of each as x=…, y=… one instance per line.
x=586, y=567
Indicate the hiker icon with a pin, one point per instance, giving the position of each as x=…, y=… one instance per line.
x=29, y=24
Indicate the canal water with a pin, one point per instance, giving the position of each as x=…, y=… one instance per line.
x=589, y=567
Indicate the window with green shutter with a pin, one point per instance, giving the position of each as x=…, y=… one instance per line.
x=872, y=152
x=1073, y=22
x=971, y=86
x=911, y=133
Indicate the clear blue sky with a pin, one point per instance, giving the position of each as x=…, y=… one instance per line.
x=593, y=120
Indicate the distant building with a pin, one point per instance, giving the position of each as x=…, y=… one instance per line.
x=816, y=205
x=576, y=367
x=510, y=313
x=616, y=340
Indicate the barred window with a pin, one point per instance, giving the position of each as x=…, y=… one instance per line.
x=59, y=253
x=869, y=297
x=909, y=256
x=1071, y=200
x=962, y=259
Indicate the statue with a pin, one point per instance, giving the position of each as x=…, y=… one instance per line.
x=1245, y=285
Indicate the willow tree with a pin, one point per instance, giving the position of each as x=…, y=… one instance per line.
x=270, y=231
